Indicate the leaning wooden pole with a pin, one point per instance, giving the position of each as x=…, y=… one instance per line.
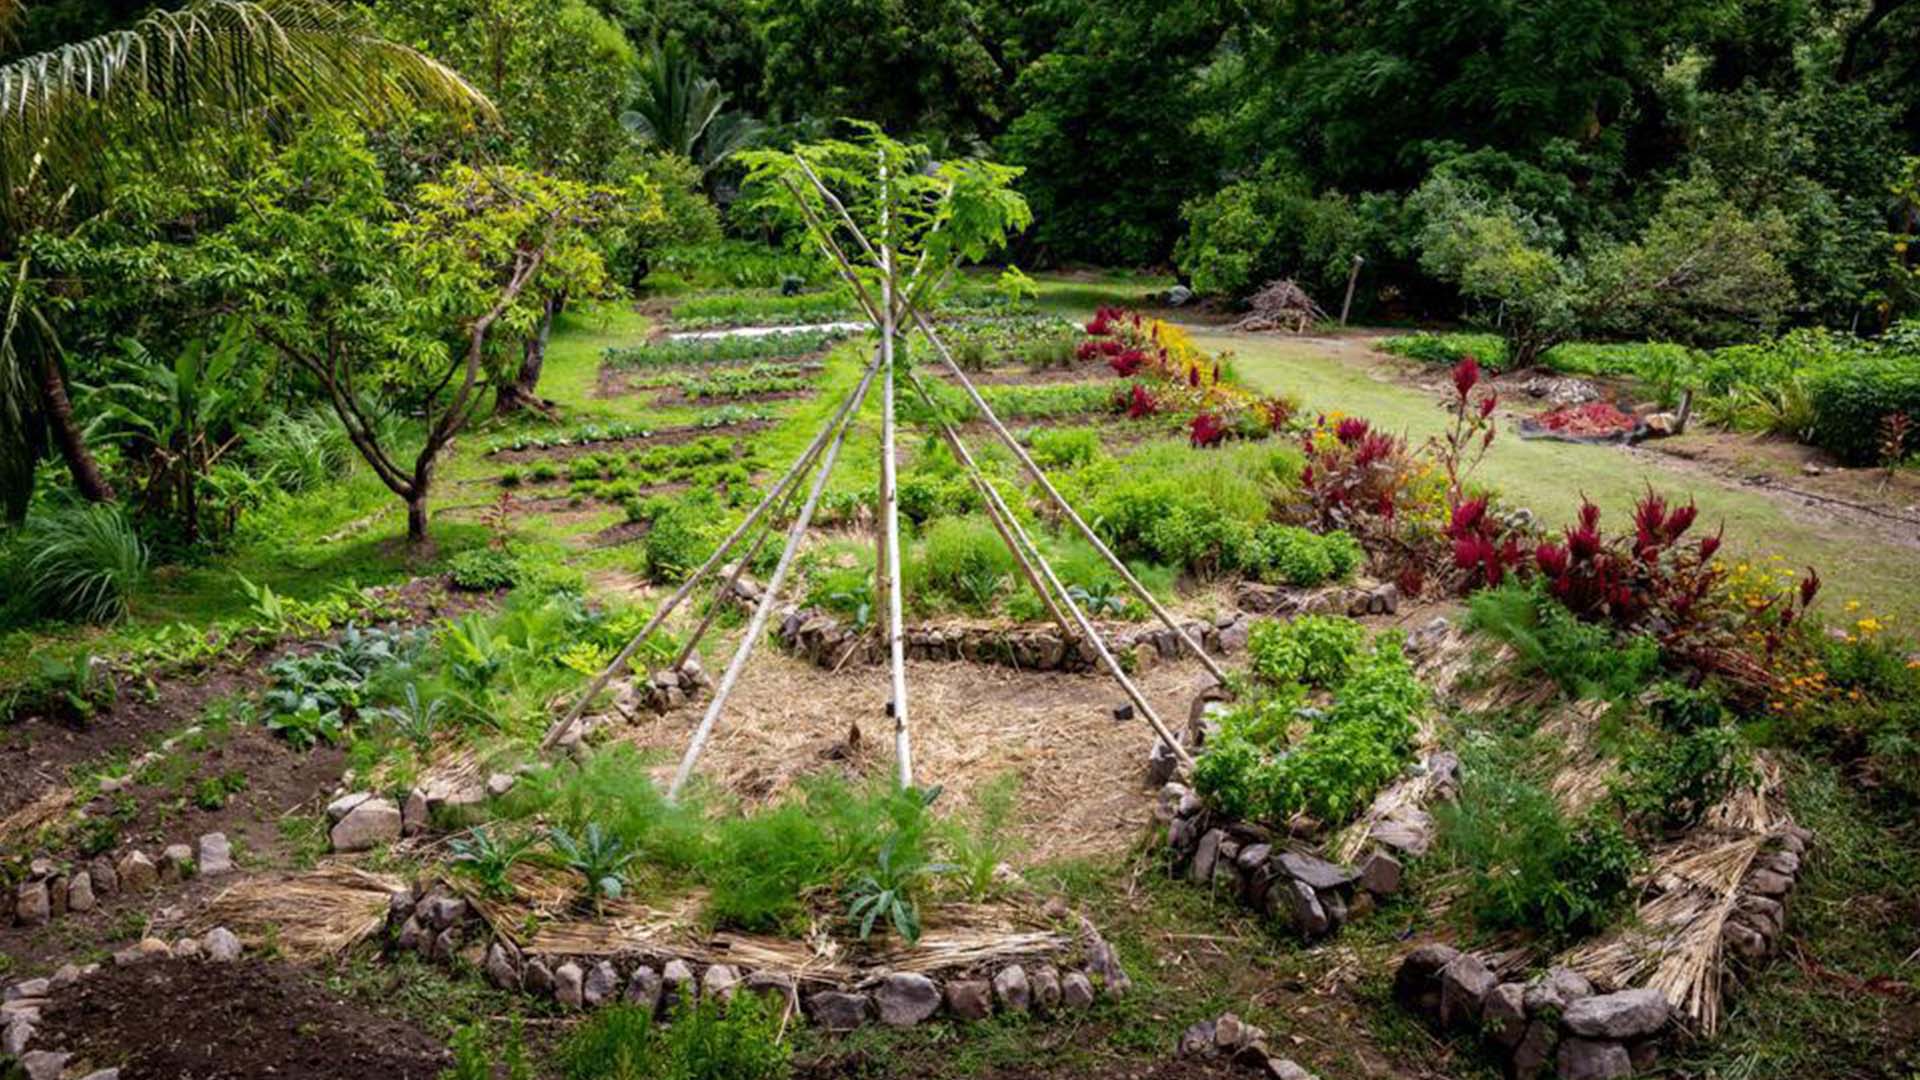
x=693, y=580
x=757, y=626
x=1089, y=632
x=920, y=319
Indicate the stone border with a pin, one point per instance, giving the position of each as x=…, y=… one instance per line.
x=823, y=640
x=20, y=1011
x=51, y=889
x=1558, y=1024
x=443, y=927
x=1270, y=874
x=1244, y=1044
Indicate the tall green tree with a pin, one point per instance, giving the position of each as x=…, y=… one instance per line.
x=142, y=90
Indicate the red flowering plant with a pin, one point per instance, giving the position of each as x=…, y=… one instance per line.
x=1661, y=581
x=1206, y=430
x=1469, y=432
x=1136, y=401
x=1486, y=549
x=1353, y=471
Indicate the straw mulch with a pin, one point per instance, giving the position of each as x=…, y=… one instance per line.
x=1081, y=789
x=1672, y=943
x=1585, y=773
x=50, y=807
x=956, y=936
x=306, y=915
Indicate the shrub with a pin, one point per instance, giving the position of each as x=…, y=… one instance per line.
x=1065, y=448
x=1448, y=349
x=82, y=562
x=681, y=536
x=1170, y=505
x=483, y=570
x=1849, y=403
x=1528, y=867
x=1289, y=555
x=1317, y=650
x=1253, y=231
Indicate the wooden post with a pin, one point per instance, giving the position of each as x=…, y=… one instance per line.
x=1353, y=278
x=1686, y=411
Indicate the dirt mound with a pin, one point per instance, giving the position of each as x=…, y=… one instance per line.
x=194, y=1021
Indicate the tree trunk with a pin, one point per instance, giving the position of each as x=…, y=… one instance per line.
x=87, y=478
x=417, y=517
x=522, y=393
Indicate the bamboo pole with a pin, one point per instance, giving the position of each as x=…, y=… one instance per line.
x=890, y=503
x=1019, y=452
x=1090, y=632
x=686, y=588
x=757, y=626
x=824, y=237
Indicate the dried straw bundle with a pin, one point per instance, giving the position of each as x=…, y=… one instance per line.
x=1691, y=888
x=318, y=913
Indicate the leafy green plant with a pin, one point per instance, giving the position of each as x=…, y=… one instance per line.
x=982, y=841
x=214, y=792
x=413, y=719
x=702, y=1042
x=65, y=684
x=1527, y=866
x=475, y=1059
x=1289, y=555
x=484, y=570
x=299, y=451
x=1313, y=649
x=1103, y=597
x=962, y=559
x=1065, y=447
x=890, y=889
x=488, y=854
x=1586, y=659
x=82, y=562
x=599, y=857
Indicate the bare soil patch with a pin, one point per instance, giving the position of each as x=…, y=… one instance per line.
x=1082, y=784
x=194, y=1021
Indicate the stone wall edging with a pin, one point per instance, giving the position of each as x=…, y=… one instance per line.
x=443, y=927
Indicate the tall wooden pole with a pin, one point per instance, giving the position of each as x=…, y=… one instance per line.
x=1353, y=278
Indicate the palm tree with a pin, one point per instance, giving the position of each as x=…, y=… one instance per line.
x=146, y=88
x=677, y=109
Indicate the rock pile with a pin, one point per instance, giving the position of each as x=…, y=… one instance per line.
x=1244, y=1044
x=1248, y=862
x=53, y=888
x=1554, y=1025
x=1283, y=601
x=442, y=927
x=1754, y=930
x=23, y=1003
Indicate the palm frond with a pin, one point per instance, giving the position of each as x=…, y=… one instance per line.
x=212, y=58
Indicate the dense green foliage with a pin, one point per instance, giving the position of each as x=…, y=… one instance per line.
x=1276, y=755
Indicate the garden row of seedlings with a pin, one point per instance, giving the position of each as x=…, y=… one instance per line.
x=1558, y=1023
x=444, y=927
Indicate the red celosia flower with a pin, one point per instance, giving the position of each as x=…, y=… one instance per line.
x=1552, y=559
x=1709, y=545
x=1486, y=405
x=1466, y=373
x=1351, y=430
x=1809, y=587
x=1206, y=430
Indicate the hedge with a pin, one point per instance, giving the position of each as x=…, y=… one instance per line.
x=1851, y=400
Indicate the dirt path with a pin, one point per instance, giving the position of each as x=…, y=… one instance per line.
x=1865, y=543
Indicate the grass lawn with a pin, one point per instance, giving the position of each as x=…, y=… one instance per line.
x=1550, y=477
